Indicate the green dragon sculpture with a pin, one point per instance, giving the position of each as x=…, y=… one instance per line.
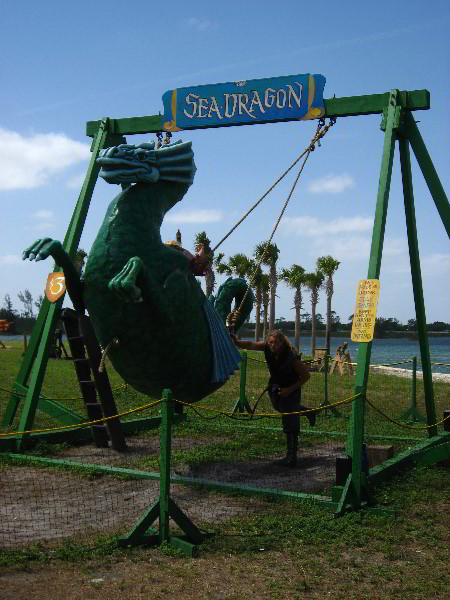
x=145, y=304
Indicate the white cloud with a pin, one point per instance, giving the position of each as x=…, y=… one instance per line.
x=331, y=184
x=342, y=248
x=44, y=226
x=195, y=216
x=435, y=264
x=10, y=259
x=313, y=227
x=76, y=182
x=43, y=214
x=198, y=24
x=28, y=162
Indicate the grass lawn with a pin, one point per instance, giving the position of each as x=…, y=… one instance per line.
x=301, y=552
x=286, y=549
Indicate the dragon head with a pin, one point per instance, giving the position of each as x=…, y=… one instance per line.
x=143, y=163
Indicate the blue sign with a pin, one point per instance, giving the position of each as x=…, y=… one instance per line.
x=287, y=98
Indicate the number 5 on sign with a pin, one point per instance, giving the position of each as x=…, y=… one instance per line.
x=56, y=286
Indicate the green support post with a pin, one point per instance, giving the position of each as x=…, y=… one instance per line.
x=354, y=489
x=165, y=508
x=412, y=413
x=413, y=245
x=333, y=410
x=165, y=441
x=242, y=403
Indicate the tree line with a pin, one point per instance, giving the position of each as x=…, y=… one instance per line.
x=264, y=285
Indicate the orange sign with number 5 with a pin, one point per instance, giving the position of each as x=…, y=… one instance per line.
x=56, y=286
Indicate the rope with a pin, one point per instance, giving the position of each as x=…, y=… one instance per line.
x=231, y=415
x=273, y=186
x=402, y=425
x=101, y=366
x=82, y=425
x=316, y=138
x=320, y=132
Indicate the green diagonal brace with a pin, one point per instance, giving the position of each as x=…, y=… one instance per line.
x=429, y=172
x=417, y=284
x=36, y=358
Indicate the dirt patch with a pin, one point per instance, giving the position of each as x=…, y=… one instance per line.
x=315, y=471
x=40, y=503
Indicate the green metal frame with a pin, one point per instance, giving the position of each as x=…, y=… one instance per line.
x=242, y=403
x=413, y=413
x=398, y=125
x=164, y=507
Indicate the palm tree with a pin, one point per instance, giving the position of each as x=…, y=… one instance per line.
x=328, y=266
x=238, y=264
x=295, y=278
x=210, y=279
x=265, y=288
x=267, y=254
x=313, y=281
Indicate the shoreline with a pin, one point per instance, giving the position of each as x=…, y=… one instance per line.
x=408, y=373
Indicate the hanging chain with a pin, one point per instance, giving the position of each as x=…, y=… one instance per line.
x=321, y=131
x=159, y=137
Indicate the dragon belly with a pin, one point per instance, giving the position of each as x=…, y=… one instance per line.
x=164, y=340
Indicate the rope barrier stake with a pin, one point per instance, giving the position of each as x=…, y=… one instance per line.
x=165, y=448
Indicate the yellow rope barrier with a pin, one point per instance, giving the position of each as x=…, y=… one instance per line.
x=402, y=425
x=85, y=424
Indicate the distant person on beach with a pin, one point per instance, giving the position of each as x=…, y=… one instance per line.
x=287, y=375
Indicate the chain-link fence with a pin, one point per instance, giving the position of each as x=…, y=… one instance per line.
x=223, y=453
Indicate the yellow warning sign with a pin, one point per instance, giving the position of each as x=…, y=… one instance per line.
x=367, y=295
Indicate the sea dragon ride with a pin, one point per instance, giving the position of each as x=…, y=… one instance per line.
x=146, y=306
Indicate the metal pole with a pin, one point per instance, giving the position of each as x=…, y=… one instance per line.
x=414, y=389
x=242, y=381
x=164, y=452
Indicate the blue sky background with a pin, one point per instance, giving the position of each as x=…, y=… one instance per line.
x=65, y=63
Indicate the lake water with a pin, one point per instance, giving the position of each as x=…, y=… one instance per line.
x=387, y=351
x=384, y=351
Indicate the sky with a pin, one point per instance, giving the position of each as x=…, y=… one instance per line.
x=65, y=63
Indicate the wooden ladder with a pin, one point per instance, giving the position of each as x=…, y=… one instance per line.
x=95, y=387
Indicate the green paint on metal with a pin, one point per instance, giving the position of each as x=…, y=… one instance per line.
x=36, y=358
x=413, y=245
x=435, y=454
x=165, y=453
x=404, y=460
x=128, y=126
x=333, y=410
x=164, y=508
x=413, y=413
x=429, y=172
x=242, y=402
x=334, y=107
x=177, y=479
x=356, y=431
